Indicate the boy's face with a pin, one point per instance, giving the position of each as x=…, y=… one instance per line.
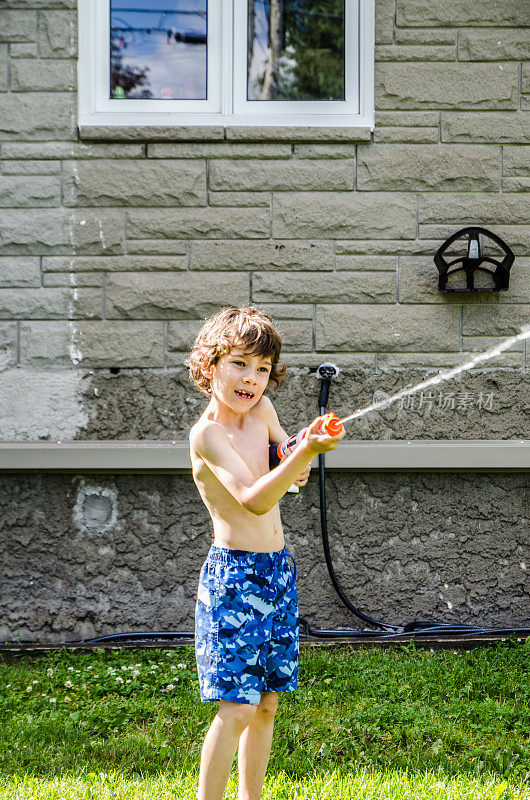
x=239, y=379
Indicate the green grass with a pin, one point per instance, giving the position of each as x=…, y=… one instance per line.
x=401, y=723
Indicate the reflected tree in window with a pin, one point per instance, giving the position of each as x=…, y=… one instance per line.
x=295, y=50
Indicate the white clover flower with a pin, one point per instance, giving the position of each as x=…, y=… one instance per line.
x=49, y=672
x=169, y=687
x=69, y=684
x=137, y=665
x=29, y=689
x=35, y=681
x=119, y=679
x=89, y=666
x=181, y=666
x=124, y=668
x=77, y=672
x=70, y=669
x=53, y=699
x=66, y=699
x=128, y=680
x=8, y=686
x=136, y=673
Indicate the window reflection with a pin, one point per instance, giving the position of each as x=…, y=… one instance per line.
x=295, y=50
x=158, y=49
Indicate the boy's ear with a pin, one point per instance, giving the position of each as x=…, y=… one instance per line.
x=206, y=370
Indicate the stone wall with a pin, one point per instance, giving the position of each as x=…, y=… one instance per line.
x=114, y=245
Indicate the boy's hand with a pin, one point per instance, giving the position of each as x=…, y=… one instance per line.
x=317, y=442
x=304, y=476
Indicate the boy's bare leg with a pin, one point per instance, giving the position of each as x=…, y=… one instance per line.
x=255, y=747
x=219, y=747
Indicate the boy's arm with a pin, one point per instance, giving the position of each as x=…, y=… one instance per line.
x=277, y=434
x=257, y=496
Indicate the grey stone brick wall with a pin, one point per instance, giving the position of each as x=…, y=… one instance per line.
x=116, y=243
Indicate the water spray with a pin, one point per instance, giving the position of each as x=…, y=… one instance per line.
x=332, y=425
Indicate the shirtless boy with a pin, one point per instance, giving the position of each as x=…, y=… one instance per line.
x=246, y=632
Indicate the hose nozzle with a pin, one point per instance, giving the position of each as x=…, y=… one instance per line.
x=331, y=425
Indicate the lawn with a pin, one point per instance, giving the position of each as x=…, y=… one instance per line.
x=399, y=723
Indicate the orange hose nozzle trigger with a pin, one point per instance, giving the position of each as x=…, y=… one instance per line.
x=331, y=425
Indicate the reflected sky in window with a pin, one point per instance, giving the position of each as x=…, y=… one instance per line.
x=158, y=49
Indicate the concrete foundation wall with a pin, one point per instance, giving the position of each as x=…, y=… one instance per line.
x=115, y=244
x=89, y=555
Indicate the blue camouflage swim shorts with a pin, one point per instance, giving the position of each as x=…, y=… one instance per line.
x=246, y=625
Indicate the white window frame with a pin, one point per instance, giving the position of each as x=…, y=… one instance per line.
x=227, y=55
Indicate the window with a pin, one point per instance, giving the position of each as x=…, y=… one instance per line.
x=222, y=62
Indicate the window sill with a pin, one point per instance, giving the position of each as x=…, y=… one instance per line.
x=145, y=456
x=216, y=133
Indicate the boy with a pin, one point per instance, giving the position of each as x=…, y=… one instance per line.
x=246, y=634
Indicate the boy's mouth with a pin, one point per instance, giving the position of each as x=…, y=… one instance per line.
x=244, y=394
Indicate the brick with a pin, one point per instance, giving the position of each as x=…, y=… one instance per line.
x=525, y=78
x=239, y=199
x=29, y=191
x=57, y=34
x=61, y=232
x=407, y=119
x=39, y=3
x=172, y=296
x=424, y=36
x=92, y=344
x=344, y=216
x=470, y=209
x=418, y=283
x=50, y=303
x=8, y=345
x=286, y=311
x=516, y=184
x=218, y=150
x=19, y=271
x=397, y=52
x=428, y=168
x=307, y=287
x=324, y=150
x=151, y=133
x=451, y=13
x=151, y=263
x=294, y=175
x=445, y=85
x=366, y=263
x=516, y=161
x=31, y=167
x=24, y=50
x=381, y=247
x=156, y=247
x=136, y=183
x=209, y=223
x=429, y=361
x=71, y=279
x=477, y=127
x=18, y=26
x=384, y=21
x=494, y=45
x=37, y=75
x=395, y=328
x=479, y=344
x=295, y=133
x=265, y=255
x=70, y=150
x=37, y=115
x=296, y=335
x=3, y=67
x=406, y=135
x=498, y=321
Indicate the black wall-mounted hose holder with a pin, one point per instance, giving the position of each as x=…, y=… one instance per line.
x=474, y=240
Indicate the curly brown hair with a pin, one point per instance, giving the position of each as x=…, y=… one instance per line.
x=248, y=328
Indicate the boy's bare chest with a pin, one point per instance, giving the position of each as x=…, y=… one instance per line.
x=252, y=444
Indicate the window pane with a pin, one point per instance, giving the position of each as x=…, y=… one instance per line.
x=158, y=49
x=295, y=50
